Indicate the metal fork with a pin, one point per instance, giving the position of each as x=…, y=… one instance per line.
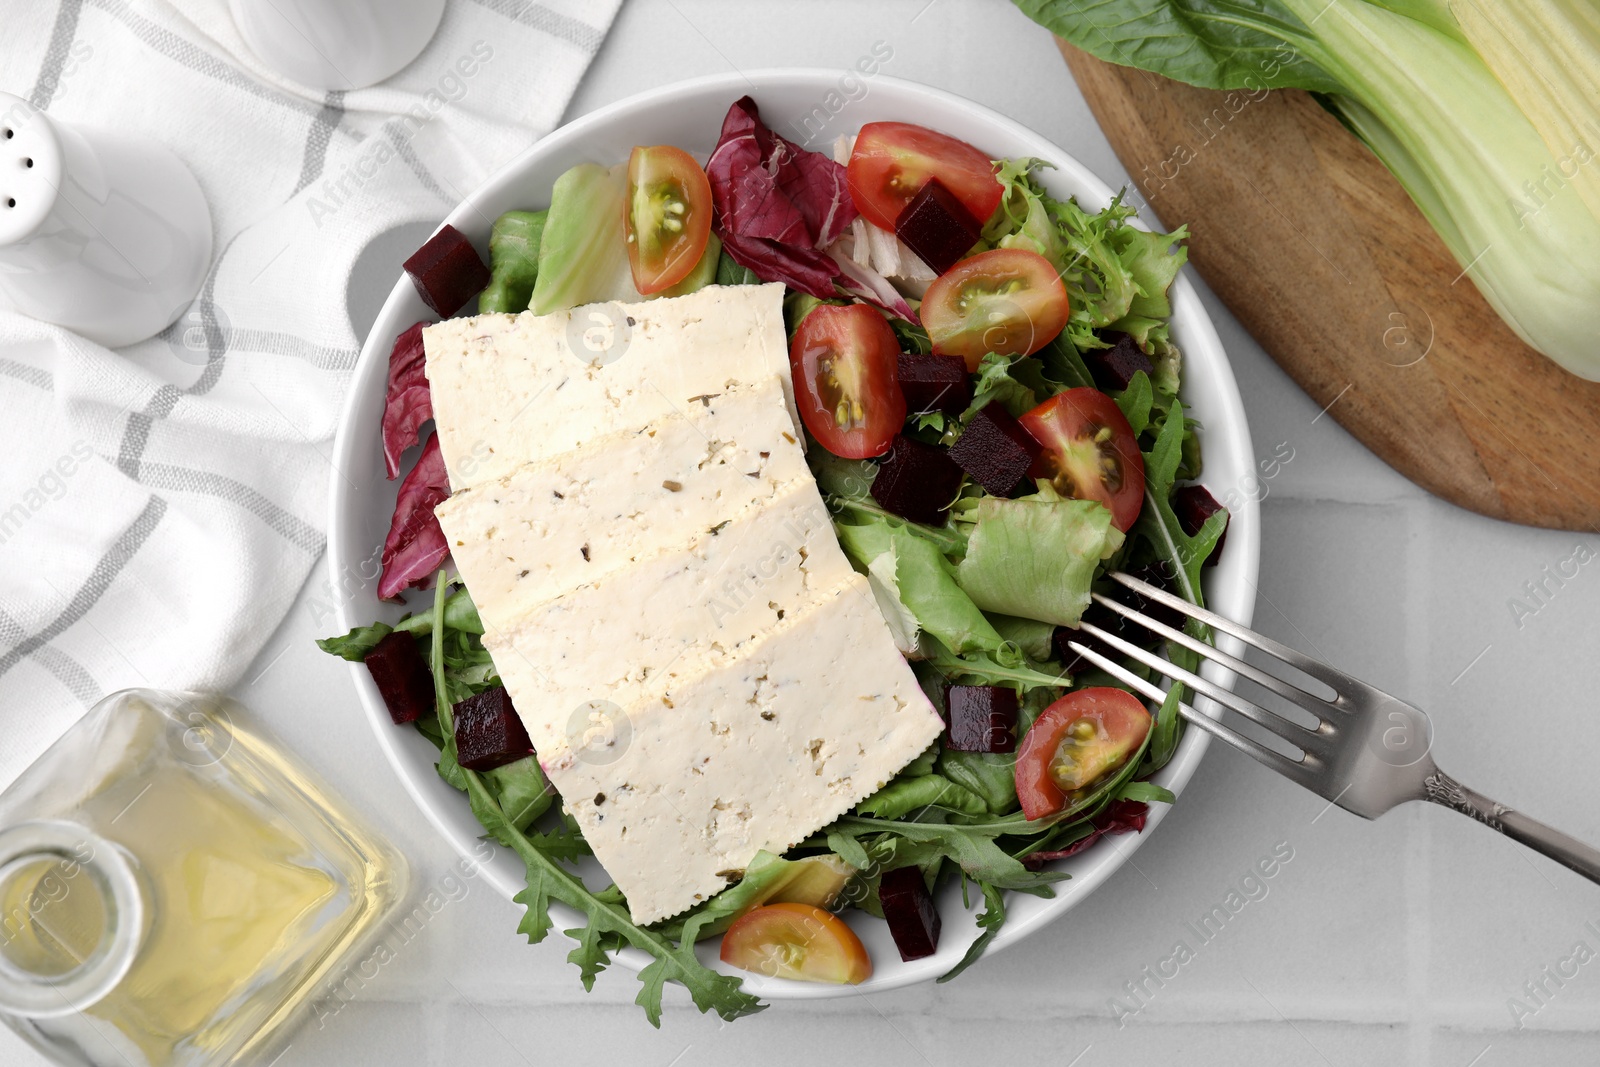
x=1369, y=751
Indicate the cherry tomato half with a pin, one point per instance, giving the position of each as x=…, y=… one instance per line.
x=796, y=941
x=1090, y=452
x=1008, y=300
x=892, y=161
x=846, y=381
x=1074, y=743
x=667, y=216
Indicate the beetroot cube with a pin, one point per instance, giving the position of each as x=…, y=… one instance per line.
x=917, y=481
x=402, y=677
x=934, y=383
x=1194, y=504
x=982, y=718
x=938, y=227
x=447, y=271
x=908, y=909
x=1113, y=368
x=995, y=450
x=488, y=732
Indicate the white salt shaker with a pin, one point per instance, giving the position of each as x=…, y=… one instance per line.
x=105, y=234
x=337, y=44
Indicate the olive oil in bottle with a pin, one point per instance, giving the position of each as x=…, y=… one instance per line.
x=173, y=887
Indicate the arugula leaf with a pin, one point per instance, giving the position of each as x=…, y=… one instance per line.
x=970, y=845
x=608, y=924
x=905, y=795
x=355, y=645
x=1181, y=554
x=989, y=924
x=989, y=775
x=730, y=272
x=815, y=880
x=1146, y=792
x=976, y=668
x=1166, y=731
x=1135, y=402
x=1222, y=44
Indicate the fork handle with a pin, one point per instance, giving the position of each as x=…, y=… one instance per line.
x=1565, y=850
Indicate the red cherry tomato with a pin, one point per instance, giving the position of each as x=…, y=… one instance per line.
x=846, y=381
x=1074, y=743
x=796, y=941
x=892, y=161
x=1008, y=300
x=667, y=216
x=1090, y=452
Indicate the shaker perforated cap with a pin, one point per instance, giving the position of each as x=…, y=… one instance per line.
x=30, y=168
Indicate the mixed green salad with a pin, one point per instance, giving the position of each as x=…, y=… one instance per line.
x=990, y=389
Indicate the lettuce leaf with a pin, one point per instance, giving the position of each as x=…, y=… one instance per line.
x=1036, y=556
x=918, y=575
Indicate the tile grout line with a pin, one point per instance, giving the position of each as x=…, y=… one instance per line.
x=1419, y=912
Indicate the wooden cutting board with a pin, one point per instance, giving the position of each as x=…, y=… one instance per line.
x=1318, y=251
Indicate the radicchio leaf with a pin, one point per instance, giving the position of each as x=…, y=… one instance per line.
x=416, y=544
x=1120, y=817
x=408, y=403
x=778, y=204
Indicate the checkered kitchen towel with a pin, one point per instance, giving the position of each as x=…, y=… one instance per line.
x=160, y=506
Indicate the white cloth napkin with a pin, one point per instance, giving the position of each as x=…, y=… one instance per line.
x=160, y=506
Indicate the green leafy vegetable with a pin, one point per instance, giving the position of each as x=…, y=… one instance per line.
x=918, y=576
x=905, y=795
x=513, y=261
x=731, y=273
x=703, y=274
x=581, y=252
x=1036, y=556
x=1475, y=107
x=990, y=921
x=814, y=880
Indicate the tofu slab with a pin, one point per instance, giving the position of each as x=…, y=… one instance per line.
x=755, y=754
x=670, y=616
x=511, y=389
x=576, y=517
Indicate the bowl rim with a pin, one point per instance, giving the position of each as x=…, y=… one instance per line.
x=1235, y=599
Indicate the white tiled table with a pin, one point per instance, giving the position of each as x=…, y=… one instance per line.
x=1399, y=942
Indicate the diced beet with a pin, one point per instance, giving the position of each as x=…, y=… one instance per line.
x=407, y=403
x=983, y=718
x=917, y=481
x=908, y=908
x=1113, y=368
x=447, y=271
x=934, y=383
x=1098, y=614
x=1194, y=504
x=402, y=677
x=995, y=450
x=488, y=732
x=937, y=226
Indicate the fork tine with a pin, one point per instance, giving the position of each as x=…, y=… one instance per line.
x=1297, y=772
x=1289, y=691
x=1342, y=683
x=1311, y=741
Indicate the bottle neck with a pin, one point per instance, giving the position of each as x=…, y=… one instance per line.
x=72, y=918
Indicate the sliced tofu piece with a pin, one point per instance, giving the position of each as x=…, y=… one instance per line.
x=667, y=617
x=578, y=516
x=511, y=389
x=756, y=754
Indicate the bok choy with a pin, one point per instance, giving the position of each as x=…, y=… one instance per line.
x=1487, y=111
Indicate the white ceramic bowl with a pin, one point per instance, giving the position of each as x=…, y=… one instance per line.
x=689, y=114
